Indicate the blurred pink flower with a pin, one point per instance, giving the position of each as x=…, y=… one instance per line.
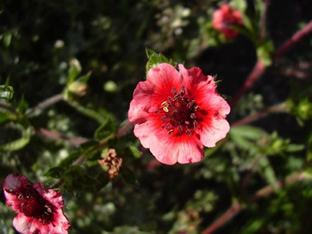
x=223, y=18
x=176, y=113
x=38, y=210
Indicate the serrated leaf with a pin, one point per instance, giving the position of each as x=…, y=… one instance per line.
x=6, y=92
x=154, y=59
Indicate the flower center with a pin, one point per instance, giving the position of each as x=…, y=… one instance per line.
x=179, y=113
x=34, y=205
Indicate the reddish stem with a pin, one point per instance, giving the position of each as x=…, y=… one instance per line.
x=259, y=67
x=255, y=74
x=228, y=215
x=293, y=40
x=236, y=207
x=57, y=136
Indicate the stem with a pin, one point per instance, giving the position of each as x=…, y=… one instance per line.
x=57, y=136
x=228, y=215
x=123, y=130
x=83, y=157
x=259, y=67
x=236, y=206
x=255, y=74
x=263, y=20
x=293, y=40
x=42, y=105
x=281, y=107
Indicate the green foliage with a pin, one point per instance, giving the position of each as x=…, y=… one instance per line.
x=154, y=59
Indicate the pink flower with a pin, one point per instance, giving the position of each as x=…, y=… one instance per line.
x=223, y=18
x=176, y=113
x=38, y=210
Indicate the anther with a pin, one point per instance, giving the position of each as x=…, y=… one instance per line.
x=196, y=108
x=193, y=116
x=195, y=124
x=180, y=128
x=182, y=91
x=170, y=131
x=190, y=104
x=166, y=109
x=165, y=103
x=168, y=126
x=187, y=122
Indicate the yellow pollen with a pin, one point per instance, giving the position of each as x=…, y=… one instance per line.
x=165, y=103
x=166, y=109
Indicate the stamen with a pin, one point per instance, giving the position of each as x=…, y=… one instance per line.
x=178, y=113
x=193, y=116
x=165, y=103
x=182, y=91
x=166, y=109
x=180, y=128
x=190, y=104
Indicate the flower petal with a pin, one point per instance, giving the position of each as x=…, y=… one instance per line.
x=196, y=82
x=22, y=223
x=214, y=126
x=148, y=95
x=168, y=149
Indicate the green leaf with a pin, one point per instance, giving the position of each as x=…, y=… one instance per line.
x=7, y=39
x=248, y=132
x=75, y=178
x=134, y=151
x=70, y=159
x=19, y=143
x=239, y=5
x=154, y=59
x=6, y=116
x=55, y=172
x=74, y=71
x=106, y=129
x=264, y=52
x=6, y=92
x=267, y=171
